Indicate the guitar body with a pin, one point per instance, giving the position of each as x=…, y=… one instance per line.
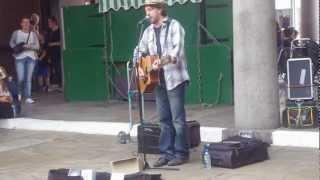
x=151, y=79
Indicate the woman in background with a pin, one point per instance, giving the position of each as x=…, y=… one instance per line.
x=25, y=59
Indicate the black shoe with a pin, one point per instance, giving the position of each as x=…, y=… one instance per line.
x=177, y=161
x=161, y=162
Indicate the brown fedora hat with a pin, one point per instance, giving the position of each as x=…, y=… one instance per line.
x=152, y=2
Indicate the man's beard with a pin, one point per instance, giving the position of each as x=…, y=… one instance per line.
x=154, y=20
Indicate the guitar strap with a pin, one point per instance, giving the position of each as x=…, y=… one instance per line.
x=161, y=71
x=167, y=31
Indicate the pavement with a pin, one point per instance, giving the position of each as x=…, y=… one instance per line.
x=29, y=155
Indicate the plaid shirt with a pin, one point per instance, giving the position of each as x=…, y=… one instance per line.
x=174, y=74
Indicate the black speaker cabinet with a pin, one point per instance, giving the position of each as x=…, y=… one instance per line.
x=300, y=82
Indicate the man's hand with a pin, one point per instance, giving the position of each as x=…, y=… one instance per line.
x=169, y=60
x=159, y=63
x=156, y=64
x=173, y=60
x=141, y=73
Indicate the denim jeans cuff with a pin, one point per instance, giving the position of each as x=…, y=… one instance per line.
x=182, y=155
x=167, y=156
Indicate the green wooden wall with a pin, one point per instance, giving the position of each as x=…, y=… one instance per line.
x=85, y=55
x=85, y=75
x=216, y=58
x=123, y=32
x=84, y=27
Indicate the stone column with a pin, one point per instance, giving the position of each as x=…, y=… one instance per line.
x=255, y=65
x=309, y=27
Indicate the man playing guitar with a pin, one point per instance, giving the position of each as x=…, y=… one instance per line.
x=164, y=38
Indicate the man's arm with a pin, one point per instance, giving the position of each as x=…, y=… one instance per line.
x=142, y=47
x=177, y=34
x=55, y=39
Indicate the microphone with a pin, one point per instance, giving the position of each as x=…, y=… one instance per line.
x=143, y=20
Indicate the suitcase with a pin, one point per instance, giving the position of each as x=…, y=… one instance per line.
x=151, y=136
x=238, y=151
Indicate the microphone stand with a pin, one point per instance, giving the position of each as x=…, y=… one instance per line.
x=145, y=162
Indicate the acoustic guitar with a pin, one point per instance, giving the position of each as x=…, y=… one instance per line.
x=150, y=80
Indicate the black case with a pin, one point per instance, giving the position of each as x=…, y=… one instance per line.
x=151, y=135
x=238, y=151
x=62, y=174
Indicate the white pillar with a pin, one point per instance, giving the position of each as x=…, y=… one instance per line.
x=309, y=27
x=255, y=67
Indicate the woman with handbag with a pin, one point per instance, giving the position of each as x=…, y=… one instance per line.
x=25, y=45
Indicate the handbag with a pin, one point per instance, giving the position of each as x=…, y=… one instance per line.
x=19, y=48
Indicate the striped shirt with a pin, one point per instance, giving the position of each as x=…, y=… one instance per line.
x=174, y=74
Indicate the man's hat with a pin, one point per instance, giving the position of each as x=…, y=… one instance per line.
x=152, y=2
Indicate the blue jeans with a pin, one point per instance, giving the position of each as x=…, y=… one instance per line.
x=170, y=106
x=24, y=68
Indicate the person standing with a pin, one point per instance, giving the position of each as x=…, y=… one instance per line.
x=43, y=74
x=165, y=38
x=54, y=51
x=25, y=58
